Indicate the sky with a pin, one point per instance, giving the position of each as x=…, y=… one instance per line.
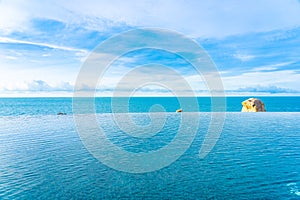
x=255, y=45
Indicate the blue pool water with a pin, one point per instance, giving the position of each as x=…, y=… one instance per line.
x=42, y=155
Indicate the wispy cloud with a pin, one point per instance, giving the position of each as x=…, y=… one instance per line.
x=52, y=46
x=243, y=57
x=255, y=45
x=284, y=78
x=39, y=86
x=271, y=89
x=198, y=18
x=271, y=67
x=13, y=17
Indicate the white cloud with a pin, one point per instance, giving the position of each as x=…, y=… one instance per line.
x=10, y=57
x=271, y=89
x=283, y=79
x=271, y=67
x=14, y=41
x=155, y=77
x=15, y=73
x=13, y=15
x=243, y=57
x=199, y=18
x=38, y=86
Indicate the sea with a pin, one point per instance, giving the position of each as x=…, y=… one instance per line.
x=44, y=155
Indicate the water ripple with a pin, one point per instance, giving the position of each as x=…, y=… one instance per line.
x=42, y=157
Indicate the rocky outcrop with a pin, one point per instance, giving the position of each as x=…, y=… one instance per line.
x=253, y=105
x=179, y=110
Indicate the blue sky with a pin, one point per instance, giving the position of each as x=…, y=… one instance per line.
x=254, y=44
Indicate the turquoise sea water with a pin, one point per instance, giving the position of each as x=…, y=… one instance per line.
x=256, y=157
x=50, y=106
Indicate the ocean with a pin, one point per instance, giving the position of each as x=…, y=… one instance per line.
x=52, y=106
x=45, y=156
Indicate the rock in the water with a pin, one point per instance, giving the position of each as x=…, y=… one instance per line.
x=179, y=110
x=253, y=105
x=61, y=113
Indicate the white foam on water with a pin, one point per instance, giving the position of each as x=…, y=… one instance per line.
x=293, y=188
